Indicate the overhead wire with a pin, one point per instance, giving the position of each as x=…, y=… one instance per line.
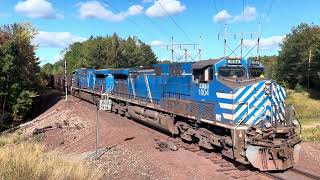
x=172, y=19
x=152, y=21
x=118, y=11
x=270, y=7
x=216, y=12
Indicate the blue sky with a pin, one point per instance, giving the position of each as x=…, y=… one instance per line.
x=62, y=22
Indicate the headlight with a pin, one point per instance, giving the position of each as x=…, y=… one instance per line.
x=295, y=122
x=267, y=124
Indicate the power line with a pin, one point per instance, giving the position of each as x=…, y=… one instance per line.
x=171, y=18
x=243, y=6
x=118, y=11
x=215, y=5
x=270, y=7
x=217, y=11
x=151, y=21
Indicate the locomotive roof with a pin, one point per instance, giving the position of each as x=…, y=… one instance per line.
x=112, y=71
x=204, y=63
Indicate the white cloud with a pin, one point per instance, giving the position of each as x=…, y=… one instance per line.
x=270, y=43
x=37, y=9
x=56, y=39
x=94, y=9
x=161, y=8
x=248, y=14
x=157, y=43
x=222, y=16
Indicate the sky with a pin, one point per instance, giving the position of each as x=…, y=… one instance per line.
x=202, y=22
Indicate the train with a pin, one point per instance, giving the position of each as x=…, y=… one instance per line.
x=224, y=105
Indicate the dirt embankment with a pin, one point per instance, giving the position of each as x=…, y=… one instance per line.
x=127, y=149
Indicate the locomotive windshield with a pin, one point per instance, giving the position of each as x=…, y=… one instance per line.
x=256, y=72
x=232, y=72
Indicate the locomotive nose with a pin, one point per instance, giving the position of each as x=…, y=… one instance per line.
x=261, y=103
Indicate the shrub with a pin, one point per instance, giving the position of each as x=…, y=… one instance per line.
x=298, y=88
x=23, y=104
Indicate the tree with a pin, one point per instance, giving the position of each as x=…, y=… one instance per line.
x=19, y=69
x=293, y=61
x=269, y=63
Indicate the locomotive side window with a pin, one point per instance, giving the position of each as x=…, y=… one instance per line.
x=232, y=72
x=120, y=76
x=201, y=75
x=256, y=72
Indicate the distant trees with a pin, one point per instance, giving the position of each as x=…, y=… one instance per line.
x=293, y=61
x=105, y=52
x=19, y=70
x=269, y=62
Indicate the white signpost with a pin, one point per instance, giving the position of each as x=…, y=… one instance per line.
x=105, y=105
x=102, y=105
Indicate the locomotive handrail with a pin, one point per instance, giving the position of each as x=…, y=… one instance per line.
x=239, y=81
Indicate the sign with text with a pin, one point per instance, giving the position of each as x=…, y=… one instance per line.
x=105, y=105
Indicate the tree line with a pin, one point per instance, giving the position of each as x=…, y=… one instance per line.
x=104, y=52
x=298, y=62
x=20, y=79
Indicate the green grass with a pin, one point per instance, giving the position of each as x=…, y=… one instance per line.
x=308, y=112
x=311, y=134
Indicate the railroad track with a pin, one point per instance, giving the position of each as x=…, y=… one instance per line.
x=236, y=170
x=292, y=174
x=230, y=168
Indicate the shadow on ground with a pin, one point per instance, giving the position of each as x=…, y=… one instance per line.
x=45, y=101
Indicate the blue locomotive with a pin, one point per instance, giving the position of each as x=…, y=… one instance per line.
x=221, y=104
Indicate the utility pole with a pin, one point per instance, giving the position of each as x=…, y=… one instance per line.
x=182, y=49
x=97, y=127
x=241, y=45
x=258, y=42
x=65, y=78
x=172, y=51
x=225, y=40
x=310, y=54
x=185, y=55
x=199, y=50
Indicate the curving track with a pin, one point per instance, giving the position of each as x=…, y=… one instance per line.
x=293, y=174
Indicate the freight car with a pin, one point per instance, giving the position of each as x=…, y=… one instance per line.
x=221, y=104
